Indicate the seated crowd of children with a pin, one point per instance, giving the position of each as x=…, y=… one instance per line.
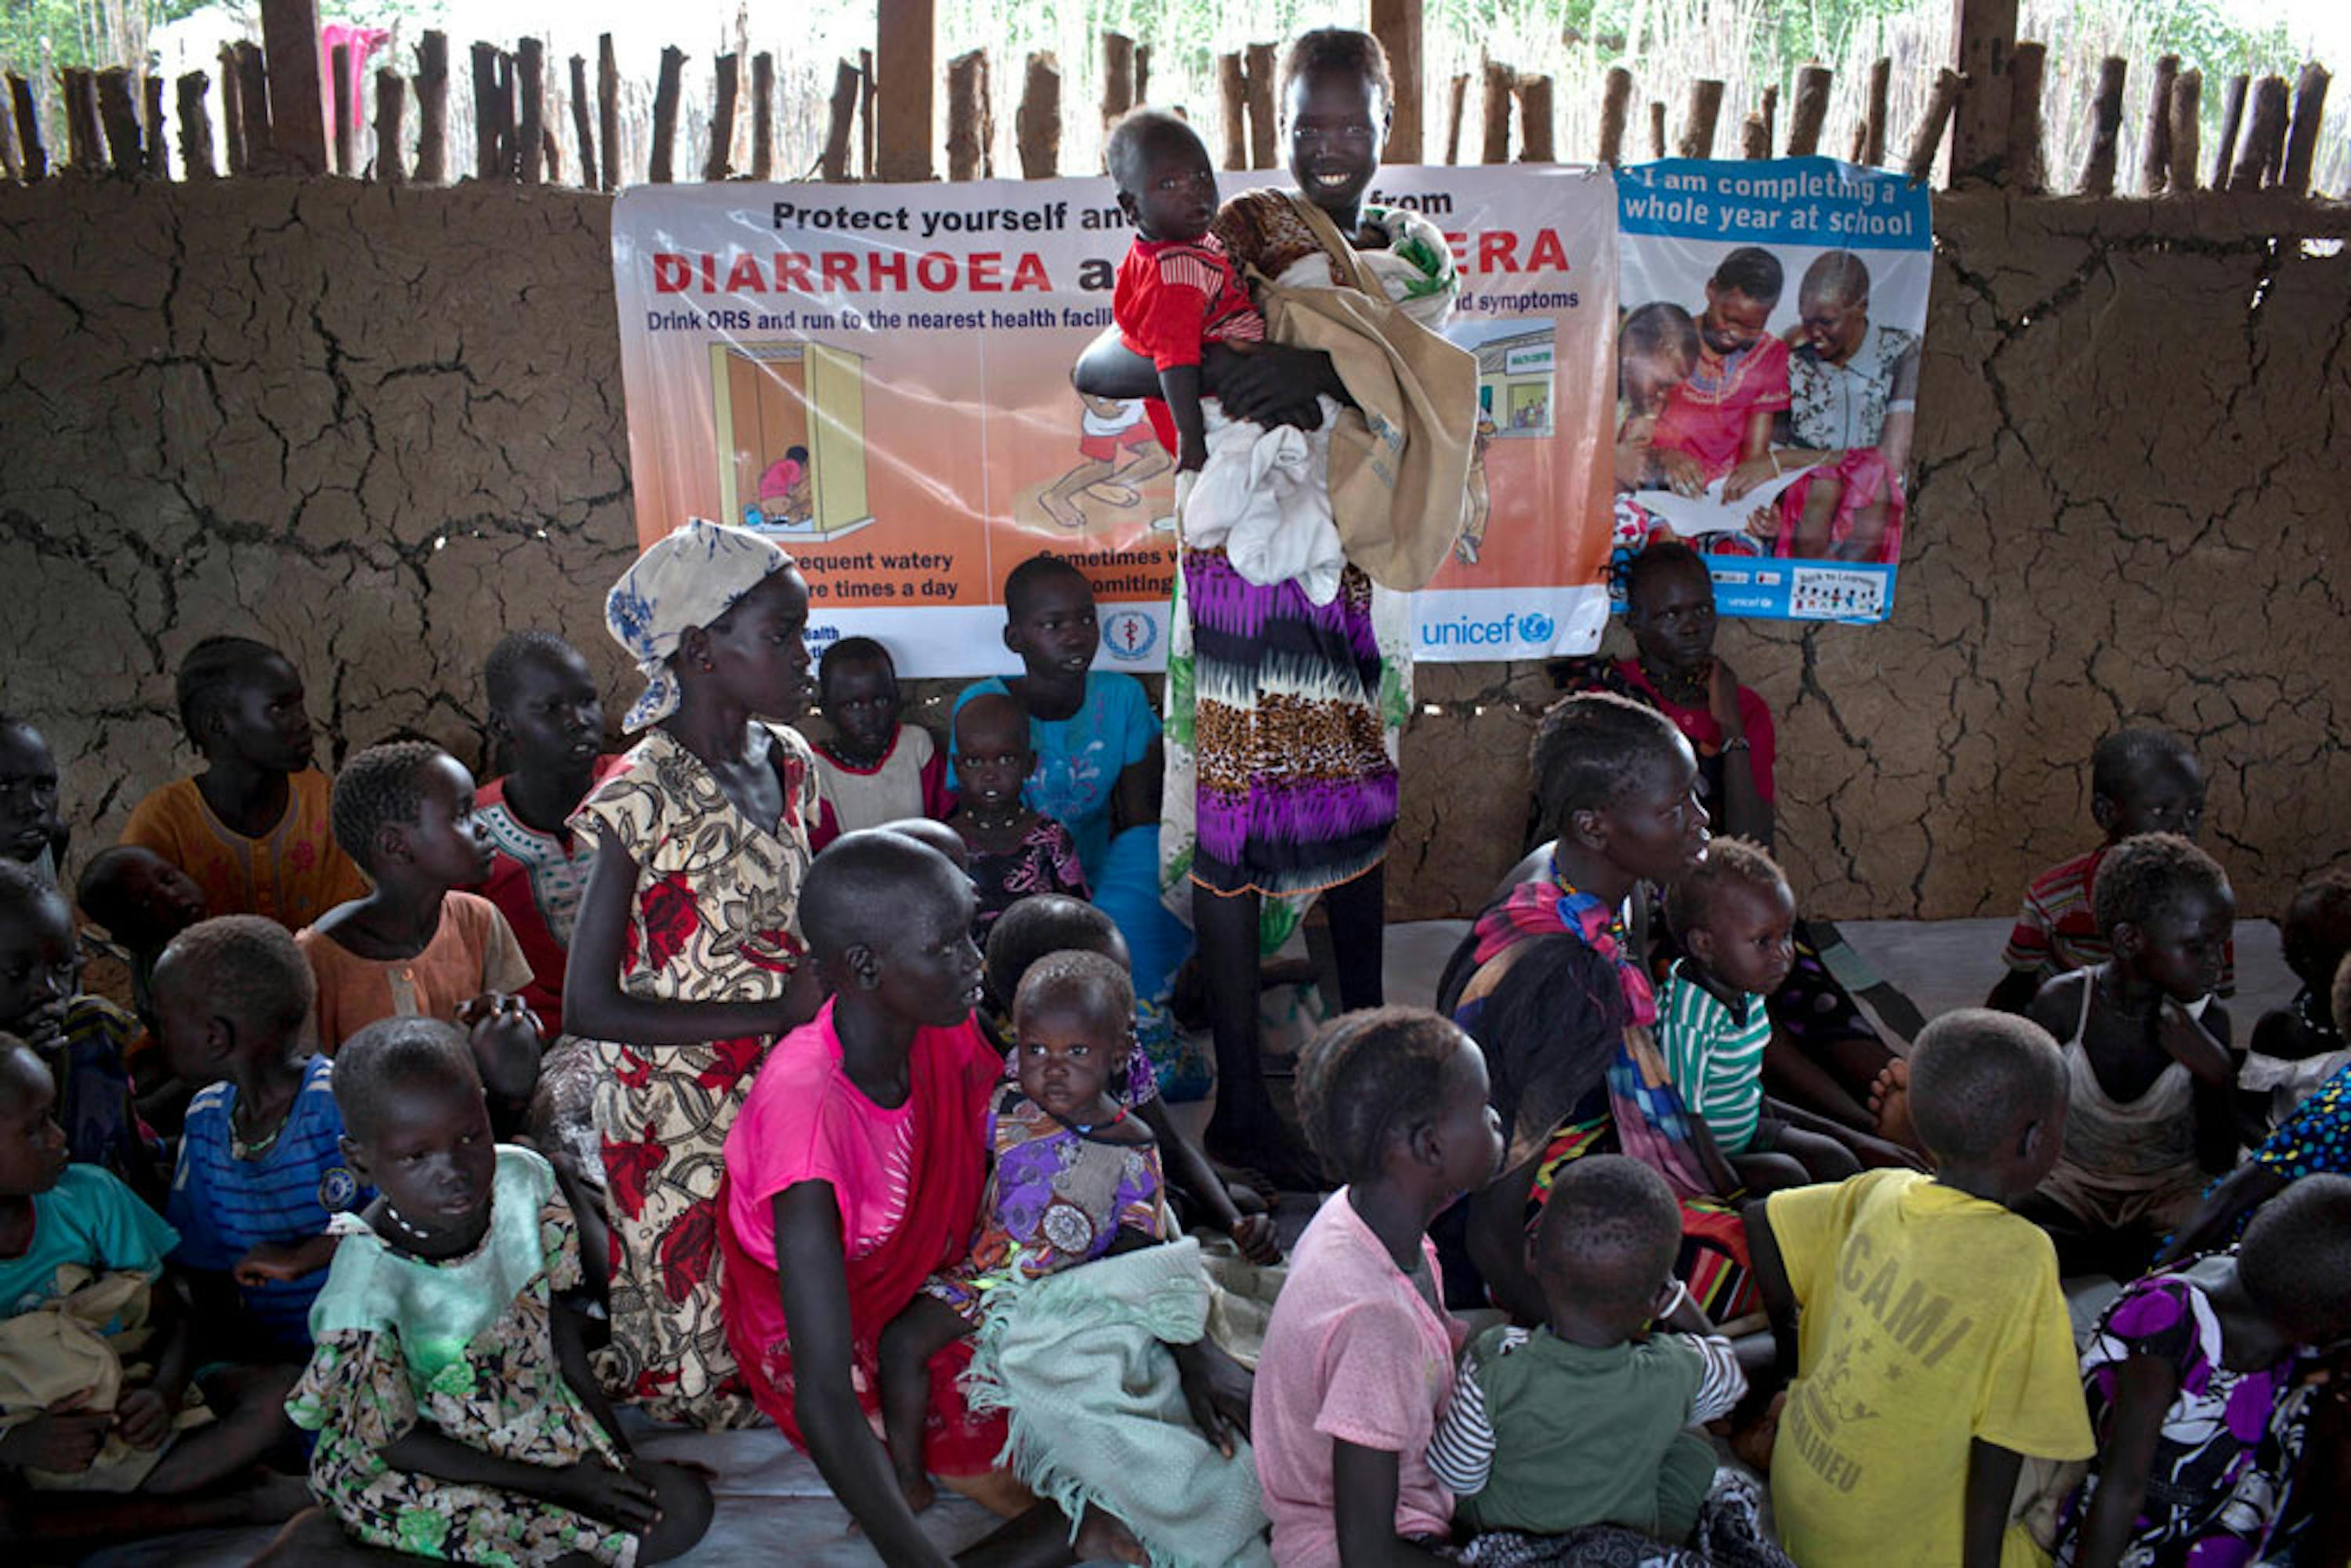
x=735, y=1077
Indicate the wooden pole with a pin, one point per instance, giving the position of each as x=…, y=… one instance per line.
x=1397, y=24
x=1143, y=73
x=261, y=155
x=1118, y=75
x=1656, y=129
x=1857, y=141
x=2105, y=128
x=583, y=122
x=1232, y=104
x=487, y=163
x=1036, y=123
x=608, y=112
x=10, y=167
x=196, y=126
x=530, y=131
x=85, y=135
x=1456, y=104
x=232, y=114
x=551, y=150
x=297, y=114
x=1616, y=100
x=2155, y=150
x=2025, y=168
x=2301, y=139
x=666, y=92
x=970, y=124
x=118, y=114
x=347, y=139
x=1881, y=89
x=390, y=108
x=1698, y=120
x=432, y=108
x=158, y=164
x=865, y=112
x=1987, y=40
x=840, y=124
x=1261, y=105
x=2264, y=136
x=31, y=154
x=509, y=117
x=1928, y=138
x=2233, y=115
x=763, y=116
x=906, y=55
x=2186, y=90
x=1538, y=142
x=1754, y=140
x=1500, y=79
x=1812, y=110
x=727, y=71
x=1771, y=112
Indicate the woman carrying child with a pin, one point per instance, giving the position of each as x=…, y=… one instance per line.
x=687, y=945
x=1282, y=714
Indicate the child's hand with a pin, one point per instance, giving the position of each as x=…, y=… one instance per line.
x=42, y=1029
x=1755, y=471
x=505, y=1037
x=65, y=1438
x=1680, y=471
x=1217, y=1391
x=591, y=1487
x=143, y=1419
x=1253, y=1234
x=1191, y=456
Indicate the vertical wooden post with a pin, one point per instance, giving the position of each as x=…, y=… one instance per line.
x=261, y=155
x=906, y=54
x=1754, y=140
x=31, y=154
x=727, y=70
x=432, y=108
x=2186, y=90
x=346, y=132
x=1812, y=110
x=531, y=128
x=1616, y=100
x=1881, y=89
x=487, y=163
x=840, y=124
x=1499, y=81
x=391, y=110
x=1118, y=75
x=2105, y=128
x=196, y=126
x=1698, y=121
x=1987, y=38
x=1457, y=101
x=665, y=91
x=1538, y=141
x=85, y=136
x=1771, y=112
x=2155, y=149
x=2301, y=139
x=1859, y=139
x=118, y=115
x=583, y=122
x=2026, y=169
x=1143, y=73
x=1928, y=138
x=2264, y=136
x=2233, y=115
x=1656, y=129
x=155, y=143
x=232, y=114
x=298, y=113
x=1232, y=103
x=1397, y=24
x=608, y=112
x=1036, y=123
x=763, y=116
x=10, y=168
x=1262, y=116
x=971, y=121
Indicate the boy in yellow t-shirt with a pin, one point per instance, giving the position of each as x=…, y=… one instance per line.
x=1934, y=1351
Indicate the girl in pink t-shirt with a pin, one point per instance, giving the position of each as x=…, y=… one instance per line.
x=1358, y=1357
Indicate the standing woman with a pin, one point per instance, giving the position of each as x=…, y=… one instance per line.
x=1283, y=715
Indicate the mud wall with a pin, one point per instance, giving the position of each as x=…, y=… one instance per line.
x=381, y=427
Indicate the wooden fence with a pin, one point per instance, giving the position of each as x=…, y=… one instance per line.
x=276, y=117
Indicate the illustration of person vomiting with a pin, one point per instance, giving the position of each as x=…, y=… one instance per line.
x=1854, y=399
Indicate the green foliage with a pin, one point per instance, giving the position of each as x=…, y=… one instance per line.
x=2207, y=38
x=77, y=31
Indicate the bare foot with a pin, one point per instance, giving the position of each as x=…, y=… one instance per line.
x=1115, y=494
x=917, y=1491
x=1104, y=1537
x=1753, y=1442
x=1889, y=1101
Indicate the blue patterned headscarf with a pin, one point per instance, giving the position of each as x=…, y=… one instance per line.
x=689, y=578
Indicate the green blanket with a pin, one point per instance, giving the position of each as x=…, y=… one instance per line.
x=1079, y=1361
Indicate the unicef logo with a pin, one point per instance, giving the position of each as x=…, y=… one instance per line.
x=1130, y=634
x=1536, y=627
x=337, y=1189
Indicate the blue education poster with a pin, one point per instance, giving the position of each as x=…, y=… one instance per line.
x=1768, y=375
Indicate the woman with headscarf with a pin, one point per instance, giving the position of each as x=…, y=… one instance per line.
x=685, y=962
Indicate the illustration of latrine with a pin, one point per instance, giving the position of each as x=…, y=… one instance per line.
x=791, y=424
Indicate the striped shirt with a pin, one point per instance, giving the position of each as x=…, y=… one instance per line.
x=224, y=1204
x=2056, y=931
x=1714, y=1054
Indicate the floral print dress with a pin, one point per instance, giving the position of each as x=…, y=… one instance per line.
x=464, y=1347
x=715, y=919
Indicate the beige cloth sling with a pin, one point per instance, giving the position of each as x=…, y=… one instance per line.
x=60, y=1350
x=1400, y=457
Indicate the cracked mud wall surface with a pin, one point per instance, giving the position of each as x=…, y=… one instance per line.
x=381, y=427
